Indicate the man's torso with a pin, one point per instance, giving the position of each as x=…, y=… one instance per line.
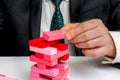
x=21, y=20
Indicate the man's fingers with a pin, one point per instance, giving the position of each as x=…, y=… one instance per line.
x=98, y=42
x=70, y=26
x=94, y=52
x=92, y=36
x=75, y=29
x=88, y=35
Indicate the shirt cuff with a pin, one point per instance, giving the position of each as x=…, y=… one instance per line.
x=116, y=38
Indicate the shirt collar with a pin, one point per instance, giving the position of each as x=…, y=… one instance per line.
x=63, y=0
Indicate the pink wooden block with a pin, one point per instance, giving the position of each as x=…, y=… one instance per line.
x=42, y=61
x=6, y=78
x=48, y=72
x=55, y=56
x=40, y=78
x=34, y=74
x=42, y=43
x=46, y=77
x=2, y=75
x=61, y=46
x=62, y=75
x=47, y=51
x=33, y=78
x=64, y=58
x=41, y=66
x=62, y=66
x=67, y=78
x=54, y=35
x=39, y=55
x=52, y=50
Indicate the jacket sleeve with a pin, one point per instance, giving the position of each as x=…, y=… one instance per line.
x=1, y=19
x=114, y=24
x=114, y=17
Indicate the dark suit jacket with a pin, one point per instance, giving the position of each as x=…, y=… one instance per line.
x=20, y=21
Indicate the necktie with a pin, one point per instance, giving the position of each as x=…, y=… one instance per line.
x=57, y=19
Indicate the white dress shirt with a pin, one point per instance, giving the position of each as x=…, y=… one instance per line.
x=48, y=9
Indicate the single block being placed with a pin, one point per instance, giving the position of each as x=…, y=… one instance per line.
x=42, y=61
x=48, y=72
x=42, y=43
x=54, y=35
x=47, y=50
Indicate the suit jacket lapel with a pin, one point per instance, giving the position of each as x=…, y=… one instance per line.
x=35, y=17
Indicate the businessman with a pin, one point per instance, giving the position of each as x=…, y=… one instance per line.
x=92, y=26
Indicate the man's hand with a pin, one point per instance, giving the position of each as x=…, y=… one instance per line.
x=92, y=36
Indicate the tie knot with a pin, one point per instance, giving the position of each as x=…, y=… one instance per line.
x=57, y=2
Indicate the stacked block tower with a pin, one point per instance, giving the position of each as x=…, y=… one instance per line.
x=50, y=57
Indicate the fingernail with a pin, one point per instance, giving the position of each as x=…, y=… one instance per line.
x=68, y=36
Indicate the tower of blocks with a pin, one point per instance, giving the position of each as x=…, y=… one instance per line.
x=50, y=56
x=4, y=77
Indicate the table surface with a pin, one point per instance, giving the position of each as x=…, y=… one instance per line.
x=81, y=68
